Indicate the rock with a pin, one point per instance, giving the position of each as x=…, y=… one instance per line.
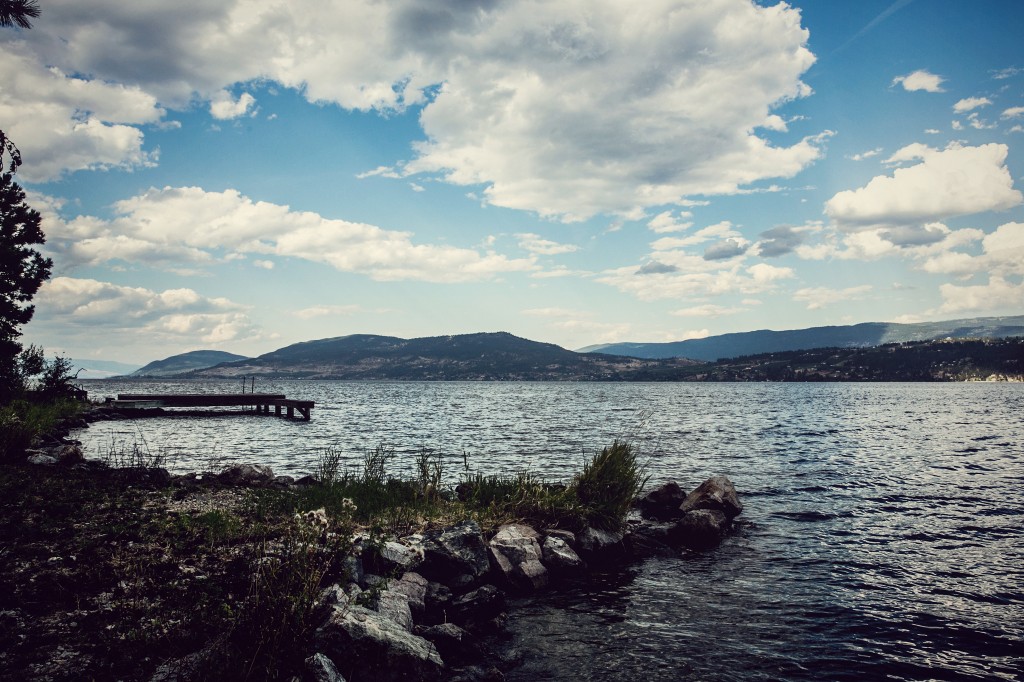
x=354, y=568
x=718, y=493
x=663, y=502
x=395, y=606
x=478, y=608
x=560, y=557
x=595, y=543
x=438, y=602
x=701, y=528
x=41, y=459
x=284, y=482
x=456, y=646
x=517, y=554
x=414, y=587
x=319, y=668
x=366, y=645
x=247, y=475
x=68, y=454
x=477, y=673
x=566, y=536
x=455, y=556
x=392, y=557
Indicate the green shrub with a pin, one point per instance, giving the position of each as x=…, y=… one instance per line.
x=22, y=420
x=608, y=485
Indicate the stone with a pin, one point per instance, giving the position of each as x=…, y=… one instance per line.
x=366, y=645
x=663, y=502
x=319, y=668
x=68, y=454
x=560, y=557
x=455, y=556
x=718, y=493
x=414, y=587
x=395, y=606
x=41, y=459
x=247, y=474
x=565, y=535
x=517, y=554
x=477, y=673
x=438, y=602
x=701, y=528
x=595, y=543
x=477, y=608
x=392, y=557
x=456, y=646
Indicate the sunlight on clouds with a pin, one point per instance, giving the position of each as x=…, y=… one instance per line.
x=819, y=297
x=920, y=80
x=192, y=225
x=970, y=104
x=535, y=244
x=223, y=106
x=998, y=294
x=953, y=182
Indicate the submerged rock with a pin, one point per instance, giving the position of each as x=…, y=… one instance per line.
x=718, y=493
x=700, y=528
x=594, y=543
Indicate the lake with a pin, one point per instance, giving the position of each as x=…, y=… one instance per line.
x=881, y=536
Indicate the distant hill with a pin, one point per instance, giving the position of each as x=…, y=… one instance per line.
x=186, y=362
x=100, y=369
x=464, y=357
x=852, y=336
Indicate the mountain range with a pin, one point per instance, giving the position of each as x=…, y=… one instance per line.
x=186, y=362
x=863, y=335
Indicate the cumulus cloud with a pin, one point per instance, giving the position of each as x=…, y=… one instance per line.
x=192, y=226
x=920, y=80
x=779, y=241
x=159, y=316
x=64, y=123
x=653, y=267
x=865, y=155
x=666, y=222
x=997, y=294
x=953, y=182
x=223, y=106
x=970, y=104
x=819, y=297
x=566, y=109
x=1013, y=112
x=693, y=280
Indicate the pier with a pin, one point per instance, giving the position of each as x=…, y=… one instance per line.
x=260, y=402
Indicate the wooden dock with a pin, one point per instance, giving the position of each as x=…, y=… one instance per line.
x=260, y=402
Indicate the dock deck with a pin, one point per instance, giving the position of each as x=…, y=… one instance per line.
x=261, y=402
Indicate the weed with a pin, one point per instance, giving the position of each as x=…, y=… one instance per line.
x=608, y=484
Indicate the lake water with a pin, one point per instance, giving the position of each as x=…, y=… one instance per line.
x=881, y=537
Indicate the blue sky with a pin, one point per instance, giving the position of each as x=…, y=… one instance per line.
x=247, y=174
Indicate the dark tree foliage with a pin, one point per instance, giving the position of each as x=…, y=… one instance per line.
x=22, y=271
x=18, y=12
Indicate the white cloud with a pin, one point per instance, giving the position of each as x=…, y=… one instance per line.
x=1013, y=112
x=970, y=104
x=865, y=155
x=192, y=226
x=953, y=182
x=142, y=314
x=535, y=244
x=326, y=311
x=695, y=277
x=998, y=294
x=920, y=80
x=708, y=310
x=665, y=222
x=63, y=123
x=819, y=297
x=265, y=264
x=223, y=106
x=720, y=230
x=567, y=109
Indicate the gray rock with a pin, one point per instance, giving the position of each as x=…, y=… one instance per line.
x=41, y=459
x=246, y=474
x=701, y=528
x=414, y=587
x=663, y=502
x=560, y=557
x=718, y=493
x=456, y=646
x=395, y=606
x=68, y=454
x=596, y=543
x=319, y=668
x=566, y=536
x=392, y=557
x=478, y=608
x=455, y=556
x=366, y=645
x=438, y=602
x=517, y=555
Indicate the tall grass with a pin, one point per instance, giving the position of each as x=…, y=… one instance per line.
x=21, y=421
x=608, y=484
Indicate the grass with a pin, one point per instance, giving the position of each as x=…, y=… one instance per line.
x=142, y=568
x=21, y=421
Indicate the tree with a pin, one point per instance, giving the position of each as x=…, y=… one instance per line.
x=18, y=13
x=22, y=271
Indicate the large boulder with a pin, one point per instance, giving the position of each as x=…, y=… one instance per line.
x=597, y=544
x=319, y=668
x=455, y=556
x=477, y=609
x=413, y=587
x=366, y=645
x=718, y=493
x=456, y=646
x=700, y=528
x=663, y=502
x=517, y=554
x=391, y=557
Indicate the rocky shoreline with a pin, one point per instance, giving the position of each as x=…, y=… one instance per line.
x=415, y=606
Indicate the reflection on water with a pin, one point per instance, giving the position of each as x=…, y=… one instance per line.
x=882, y=534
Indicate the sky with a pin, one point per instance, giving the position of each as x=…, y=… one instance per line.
x=246, y=174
